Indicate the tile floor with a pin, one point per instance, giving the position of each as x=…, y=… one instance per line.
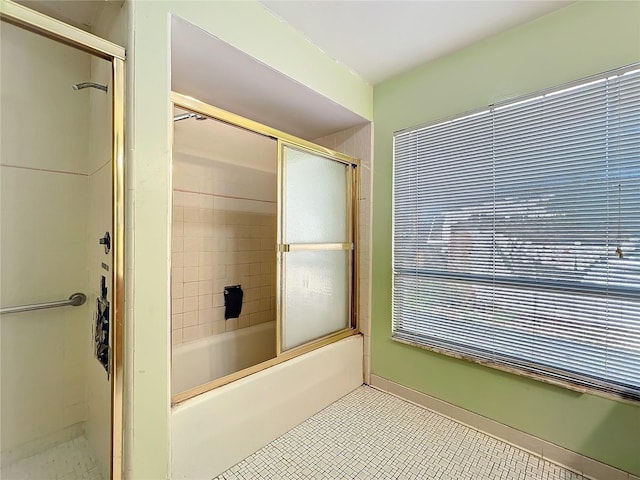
x=373, y=435
x=70, y=460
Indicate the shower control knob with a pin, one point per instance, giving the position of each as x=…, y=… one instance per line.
x=106, y=241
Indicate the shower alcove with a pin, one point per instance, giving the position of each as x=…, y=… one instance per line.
x=61, y=175
x=264, y=174
x=223, y=235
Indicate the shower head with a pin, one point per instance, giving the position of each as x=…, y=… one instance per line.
x=185, y=116
x=80, y=86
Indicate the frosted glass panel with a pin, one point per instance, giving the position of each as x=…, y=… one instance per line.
x=316, y=295
x=316, y=193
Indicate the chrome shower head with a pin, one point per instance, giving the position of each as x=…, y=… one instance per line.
x=185, y=116
x=80, y=86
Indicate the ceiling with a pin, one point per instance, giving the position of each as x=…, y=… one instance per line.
x=79, y=13
x=380, y=39
x=221, y=75
x=375, y=39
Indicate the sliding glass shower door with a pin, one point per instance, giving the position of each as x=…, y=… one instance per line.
x=316, y=245
x=314, y=295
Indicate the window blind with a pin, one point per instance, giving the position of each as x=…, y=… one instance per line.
x=517, y=234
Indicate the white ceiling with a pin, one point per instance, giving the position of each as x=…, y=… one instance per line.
x=79, y=13
x=375, y=39
x=380, y=39
x=221, y=75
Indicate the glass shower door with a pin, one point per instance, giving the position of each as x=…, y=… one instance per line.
x=315, y=246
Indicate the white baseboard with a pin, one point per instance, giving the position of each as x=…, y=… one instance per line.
x=566, y=458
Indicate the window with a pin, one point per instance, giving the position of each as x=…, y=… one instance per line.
x=517, y=234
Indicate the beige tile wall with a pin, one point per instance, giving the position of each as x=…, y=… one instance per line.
x=357, y=142
x=213, y=248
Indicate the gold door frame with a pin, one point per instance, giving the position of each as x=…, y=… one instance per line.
x=38, y=23
x=196, y=106
x=283, y=248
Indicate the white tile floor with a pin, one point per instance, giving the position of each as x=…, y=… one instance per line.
x=372, y=435
x=71, y=460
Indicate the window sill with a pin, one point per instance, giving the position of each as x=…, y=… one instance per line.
x=522, y=373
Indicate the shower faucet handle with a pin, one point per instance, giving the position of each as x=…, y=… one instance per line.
x=106, y=241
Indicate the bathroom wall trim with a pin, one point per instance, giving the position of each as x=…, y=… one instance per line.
x=571, y=460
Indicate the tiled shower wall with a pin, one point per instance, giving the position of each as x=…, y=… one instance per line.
x=43, y=232
x=68, y=164
x=98, y=387
x=219, y=241
x=357, y=142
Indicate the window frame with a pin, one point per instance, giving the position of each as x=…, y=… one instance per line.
x=520, y=368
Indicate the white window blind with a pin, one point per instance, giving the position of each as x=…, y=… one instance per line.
x=517, y=234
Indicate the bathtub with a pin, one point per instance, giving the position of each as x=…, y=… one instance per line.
x=204, y=360
x=216, y=430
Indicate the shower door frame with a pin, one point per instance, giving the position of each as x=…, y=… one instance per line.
x=196, y=106
x=56, y=30
x=285, y=247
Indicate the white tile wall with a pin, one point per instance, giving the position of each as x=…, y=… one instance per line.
x=214, y=248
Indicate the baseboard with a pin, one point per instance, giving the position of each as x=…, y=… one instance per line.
x=568, y=459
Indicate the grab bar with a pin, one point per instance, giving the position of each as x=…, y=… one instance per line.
x=75, y=300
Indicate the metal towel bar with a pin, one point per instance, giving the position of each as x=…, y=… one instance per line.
x=74, y=300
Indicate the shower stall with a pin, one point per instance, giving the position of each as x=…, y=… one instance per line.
x=61, y=249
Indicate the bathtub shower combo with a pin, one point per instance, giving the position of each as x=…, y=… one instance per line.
x=61, y=249
x=263, y=247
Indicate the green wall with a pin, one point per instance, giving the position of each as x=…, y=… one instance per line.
x=249, y=27
x=579, y=40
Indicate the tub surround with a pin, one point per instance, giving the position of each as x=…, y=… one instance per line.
x=201, y=361
x=230, y=421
